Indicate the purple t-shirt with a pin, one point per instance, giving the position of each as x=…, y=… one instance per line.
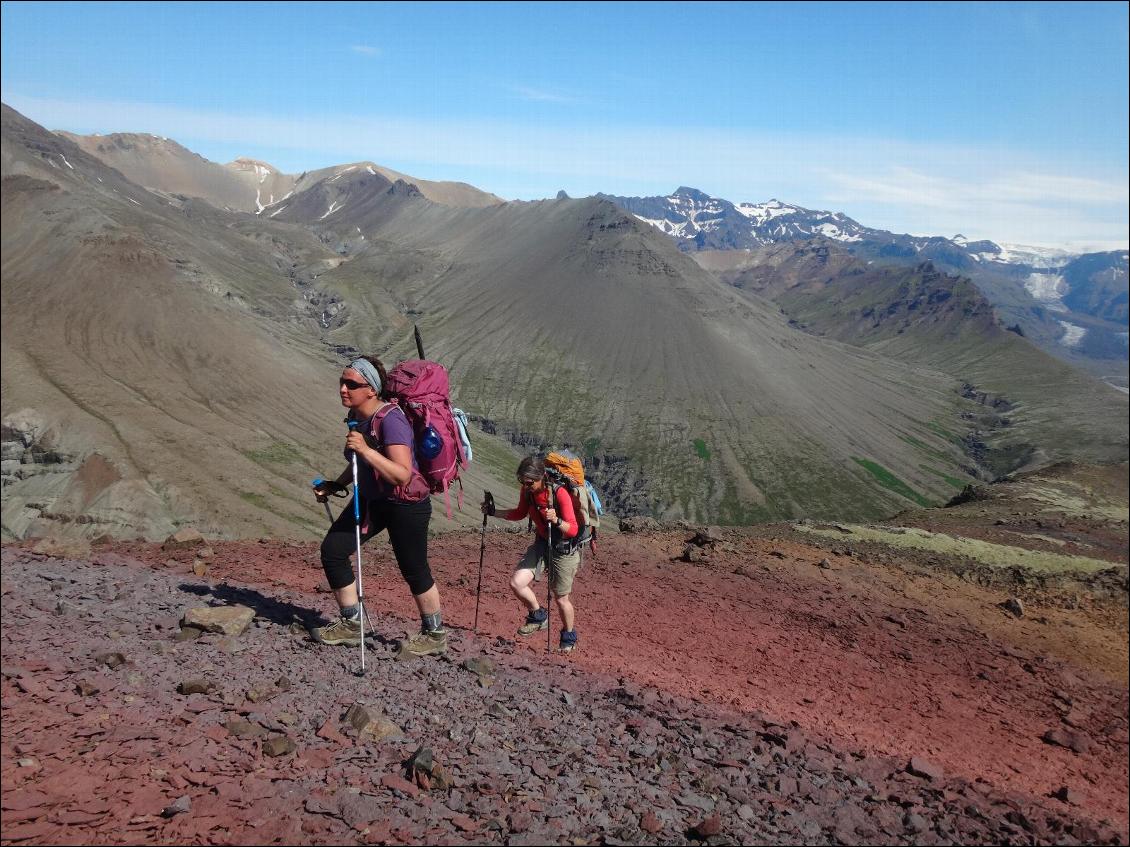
x=394, y=429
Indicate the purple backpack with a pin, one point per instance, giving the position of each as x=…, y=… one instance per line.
x=422, y=390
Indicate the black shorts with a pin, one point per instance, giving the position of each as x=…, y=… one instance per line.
x=407, y=525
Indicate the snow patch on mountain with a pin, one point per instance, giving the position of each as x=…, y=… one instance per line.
x=1048, y=289
x=762, y=212
x=1035, y=257
x=832, y=231
x=1072, y=334
x=676, y=229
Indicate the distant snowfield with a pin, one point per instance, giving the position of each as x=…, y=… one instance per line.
x=1072, y=334
x=1036, y=257
x=1048, y=289
x=762, y=212
x=834, y=232
x=670, y=227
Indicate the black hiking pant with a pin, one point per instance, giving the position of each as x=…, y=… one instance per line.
x=407, y=525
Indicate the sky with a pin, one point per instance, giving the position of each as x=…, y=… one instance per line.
x=1006, y=121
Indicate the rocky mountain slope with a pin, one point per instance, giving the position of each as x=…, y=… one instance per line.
x=1031, y=402
x=820, y=686
x=562, y=321
x=161, y=363
x=678, y=391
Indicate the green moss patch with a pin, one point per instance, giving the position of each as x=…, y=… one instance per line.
x=952, y=481
x=701, y=449
x=276, y=453
x=945, y=433
x=257, y=500
x=891, y=482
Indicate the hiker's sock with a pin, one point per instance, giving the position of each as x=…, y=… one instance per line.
x=432, y=622
x=352, y=613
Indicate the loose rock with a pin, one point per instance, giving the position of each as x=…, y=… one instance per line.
x=183, y=538
x=925, y=769
x=278, y=745
x=179, y=806
x=196, y=686
x=226, y=620
x=1013, y=606
x=1075, y=741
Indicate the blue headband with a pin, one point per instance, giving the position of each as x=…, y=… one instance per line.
x=366, y=369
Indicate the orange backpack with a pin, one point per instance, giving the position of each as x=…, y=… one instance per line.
x=565, y=469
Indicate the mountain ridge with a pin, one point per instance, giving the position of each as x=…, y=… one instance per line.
x=244, y=184
x=1016, y=279
x=562, y=321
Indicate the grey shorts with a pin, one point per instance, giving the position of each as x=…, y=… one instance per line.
x=564, y=568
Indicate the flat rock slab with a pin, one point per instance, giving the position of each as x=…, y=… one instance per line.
x=227, y=620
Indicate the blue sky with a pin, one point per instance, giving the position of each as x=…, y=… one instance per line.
x=999, y=120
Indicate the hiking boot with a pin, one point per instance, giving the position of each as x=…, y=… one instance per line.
x=345, y=631
x=568, y=641
x=424, y=643
x=534, y=621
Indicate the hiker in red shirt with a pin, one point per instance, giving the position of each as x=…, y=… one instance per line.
x=534, y=503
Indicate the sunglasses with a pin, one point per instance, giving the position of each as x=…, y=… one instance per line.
x=528, y=483
x=352, y=385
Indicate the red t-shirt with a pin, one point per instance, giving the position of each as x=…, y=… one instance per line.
x=540, y=500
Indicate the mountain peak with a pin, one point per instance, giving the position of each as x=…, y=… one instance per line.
x=244, y=163
x=690, y=193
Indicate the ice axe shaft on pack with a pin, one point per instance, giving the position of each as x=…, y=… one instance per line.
x=488, y=501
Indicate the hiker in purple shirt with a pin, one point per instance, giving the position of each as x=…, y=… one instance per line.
x=394, y=496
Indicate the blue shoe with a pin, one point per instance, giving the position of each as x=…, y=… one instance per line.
x=568, y=641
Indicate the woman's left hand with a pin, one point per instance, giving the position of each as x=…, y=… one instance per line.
x=551, y=515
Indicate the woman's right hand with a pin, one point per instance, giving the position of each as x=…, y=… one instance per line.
x=325, y=488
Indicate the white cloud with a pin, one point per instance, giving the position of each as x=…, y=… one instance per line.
x=1036, y=208
x=365, y=50
x=936, y=189
x=538, y=95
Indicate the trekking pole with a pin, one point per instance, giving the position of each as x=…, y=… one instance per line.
x=419, y=341
x=551, y=503
x=325, y=503
x=357, y=526
x=488, y=499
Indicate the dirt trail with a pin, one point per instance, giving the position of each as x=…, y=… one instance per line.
x=865, y=664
